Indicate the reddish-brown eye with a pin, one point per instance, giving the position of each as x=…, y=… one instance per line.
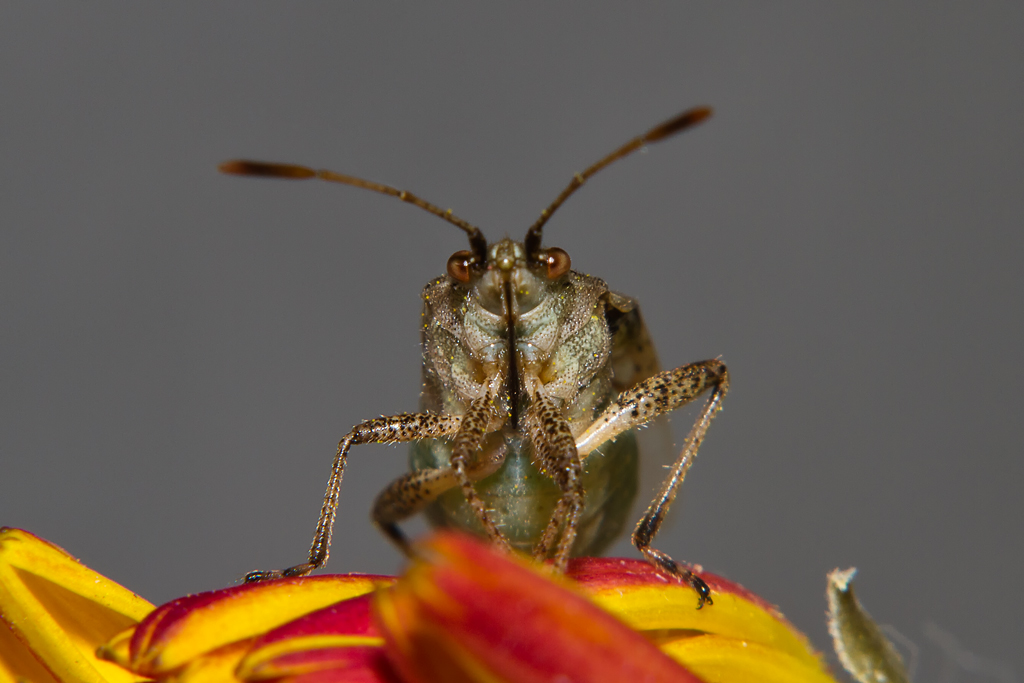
x=458, y=265
x=558, y=263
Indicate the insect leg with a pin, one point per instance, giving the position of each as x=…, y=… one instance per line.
x=654, y=396
x=406, y=496
x=555, y=452
x=540, y=550
x=392, y=429
x=480, y=418
x=412, y=492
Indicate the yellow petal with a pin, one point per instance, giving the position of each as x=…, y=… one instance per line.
x=217, y=666
x=58, y=612
x=716, y=659
x=117, y=648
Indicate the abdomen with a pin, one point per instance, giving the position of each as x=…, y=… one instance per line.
x=521, y=498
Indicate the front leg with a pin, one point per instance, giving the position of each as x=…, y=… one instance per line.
x=480, y=418
x=654, y=396
x=393, y=429
x=555, y=452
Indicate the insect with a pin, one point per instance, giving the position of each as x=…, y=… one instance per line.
x=535, y=377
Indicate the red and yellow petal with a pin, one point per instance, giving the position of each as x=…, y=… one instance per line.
x=740, y=637
x=339, y=643
x=471, y=614
x=211, y=624
x=56, y=612
x=336, y=643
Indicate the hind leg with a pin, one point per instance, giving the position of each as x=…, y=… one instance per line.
x=655, y=396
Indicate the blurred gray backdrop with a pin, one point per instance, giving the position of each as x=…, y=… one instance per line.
x=182, y=350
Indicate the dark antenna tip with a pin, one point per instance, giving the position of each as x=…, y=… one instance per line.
x=688, y=118
x=294, y=172
x=266, y=169
x=678, y=123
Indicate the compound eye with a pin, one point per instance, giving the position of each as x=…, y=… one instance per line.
x=558, y=262
x=458, y=265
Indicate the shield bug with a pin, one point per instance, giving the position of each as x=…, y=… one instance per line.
x=535, y=377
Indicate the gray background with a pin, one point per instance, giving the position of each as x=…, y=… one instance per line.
x=182, y=350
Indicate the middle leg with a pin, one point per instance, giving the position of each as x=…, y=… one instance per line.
x=414, y=491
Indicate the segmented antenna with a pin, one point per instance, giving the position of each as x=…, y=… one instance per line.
x=294, y=172
x=677, y=124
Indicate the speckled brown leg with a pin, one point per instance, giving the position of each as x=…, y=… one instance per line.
x=393, y=429
x=654, y=396
x=543, y=546
x=481, y=418
x=555, y=453
x=406, y=496
x=412, y=492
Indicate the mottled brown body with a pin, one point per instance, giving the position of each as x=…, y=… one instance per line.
x=563, y=347
x=534, y=376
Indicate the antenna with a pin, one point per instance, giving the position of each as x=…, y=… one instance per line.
x=677, y=124
x=294, y=172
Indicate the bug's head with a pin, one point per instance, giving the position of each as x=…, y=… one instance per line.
x=509, y=268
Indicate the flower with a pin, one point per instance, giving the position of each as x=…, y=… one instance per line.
x=462, y=612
